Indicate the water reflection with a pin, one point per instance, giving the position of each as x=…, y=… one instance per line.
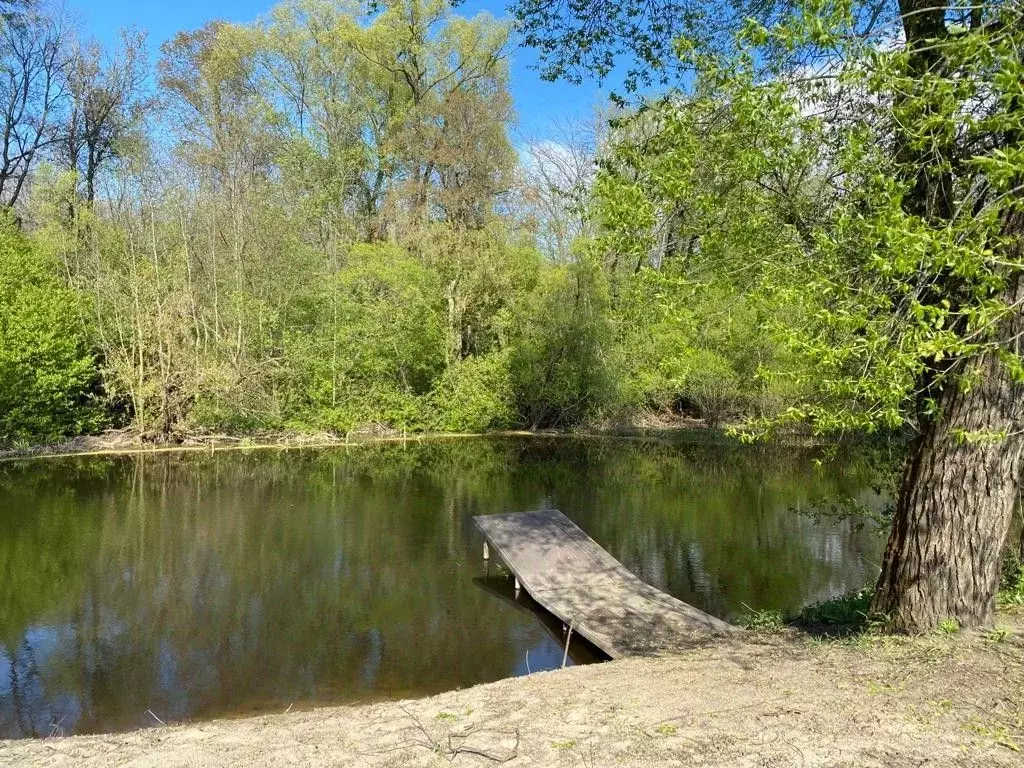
x=196, y=585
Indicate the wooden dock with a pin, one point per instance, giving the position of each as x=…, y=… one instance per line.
x=571, y=576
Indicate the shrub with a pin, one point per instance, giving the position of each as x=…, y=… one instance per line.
x=849, y=611
x=474, y=395
x=712, y=386
x=763, y=621
x=48, y=375
x=371, y=348
x=560, y=364
x=1011, y=584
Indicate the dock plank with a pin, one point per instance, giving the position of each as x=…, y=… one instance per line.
x=571, y=576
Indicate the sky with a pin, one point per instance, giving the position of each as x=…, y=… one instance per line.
x=540, y=105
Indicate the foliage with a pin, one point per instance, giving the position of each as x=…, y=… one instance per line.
x=338, y=238
x=949, y=626
x=377, y=347
x=562, y=374
x=1011, y=583
x=637, y=38
x=475, y=395
x=763, y=621
x=700, y=255
x=848, y=613
x=48, y=378
x=915, y=293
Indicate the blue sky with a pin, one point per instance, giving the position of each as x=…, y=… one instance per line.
x=539, y=104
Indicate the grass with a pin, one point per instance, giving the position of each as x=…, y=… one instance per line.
x=997, y=634
x=763, y=621
x=1012, y=587
x=847, y=613
x=949, y=626
x=849, y=616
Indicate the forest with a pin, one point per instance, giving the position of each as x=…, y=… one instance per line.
x=320, y=222
x=791, y=215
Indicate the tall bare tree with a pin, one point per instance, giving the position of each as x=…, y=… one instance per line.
x=34, y=64
x=107, y=104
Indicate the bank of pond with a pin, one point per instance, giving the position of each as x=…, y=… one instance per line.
x=190, y=585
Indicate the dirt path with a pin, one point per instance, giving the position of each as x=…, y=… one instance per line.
x=763, y=701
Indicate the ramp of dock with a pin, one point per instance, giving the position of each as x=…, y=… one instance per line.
x=571, y=576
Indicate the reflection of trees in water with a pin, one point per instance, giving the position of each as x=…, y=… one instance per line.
x=191, y=584
x=711, y=524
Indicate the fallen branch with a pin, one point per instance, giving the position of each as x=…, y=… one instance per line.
x=451, y=750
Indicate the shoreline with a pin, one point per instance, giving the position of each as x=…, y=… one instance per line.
x=775, y=699
x=123, y=442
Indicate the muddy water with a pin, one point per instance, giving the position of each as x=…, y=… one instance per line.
x=184, y=586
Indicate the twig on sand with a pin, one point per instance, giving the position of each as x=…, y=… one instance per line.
x=56, y=729
x=153, y=715
x=450, y=750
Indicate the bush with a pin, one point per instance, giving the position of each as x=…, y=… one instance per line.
x=474, y=395
x=560, y=357
x=763, y=621
x=371, y=348
x=848, y=612
x=48, y=375
x=711, y=386
x=1011, y=583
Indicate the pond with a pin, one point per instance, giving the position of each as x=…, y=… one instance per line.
x=189, y=585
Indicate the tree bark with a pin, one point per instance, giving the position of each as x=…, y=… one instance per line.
x=959, y=489
x=960, y=483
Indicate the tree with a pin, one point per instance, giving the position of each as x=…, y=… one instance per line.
x=383, y=346
x=560, y=363
x=554, y=183
x=107, y=105
x=916, y=272
x=957, y=125
x=451, y=150
x=484, y=274
x=34, y=64
x=394, y=119
x=637, y=40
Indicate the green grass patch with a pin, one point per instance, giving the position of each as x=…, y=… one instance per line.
x=844, y=615
x=949, y=626
x=1011, y=587
x=763, y=621
x=850, y=611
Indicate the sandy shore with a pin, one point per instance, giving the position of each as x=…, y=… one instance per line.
x=756, y=701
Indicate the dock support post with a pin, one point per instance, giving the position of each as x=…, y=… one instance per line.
x=517, y=585
x=487, y=552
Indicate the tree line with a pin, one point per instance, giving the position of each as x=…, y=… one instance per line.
x=320, y=221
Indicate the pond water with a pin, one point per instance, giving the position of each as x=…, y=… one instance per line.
x=191, y=585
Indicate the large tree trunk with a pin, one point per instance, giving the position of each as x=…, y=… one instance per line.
x=961, y=481
x=959, y=489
